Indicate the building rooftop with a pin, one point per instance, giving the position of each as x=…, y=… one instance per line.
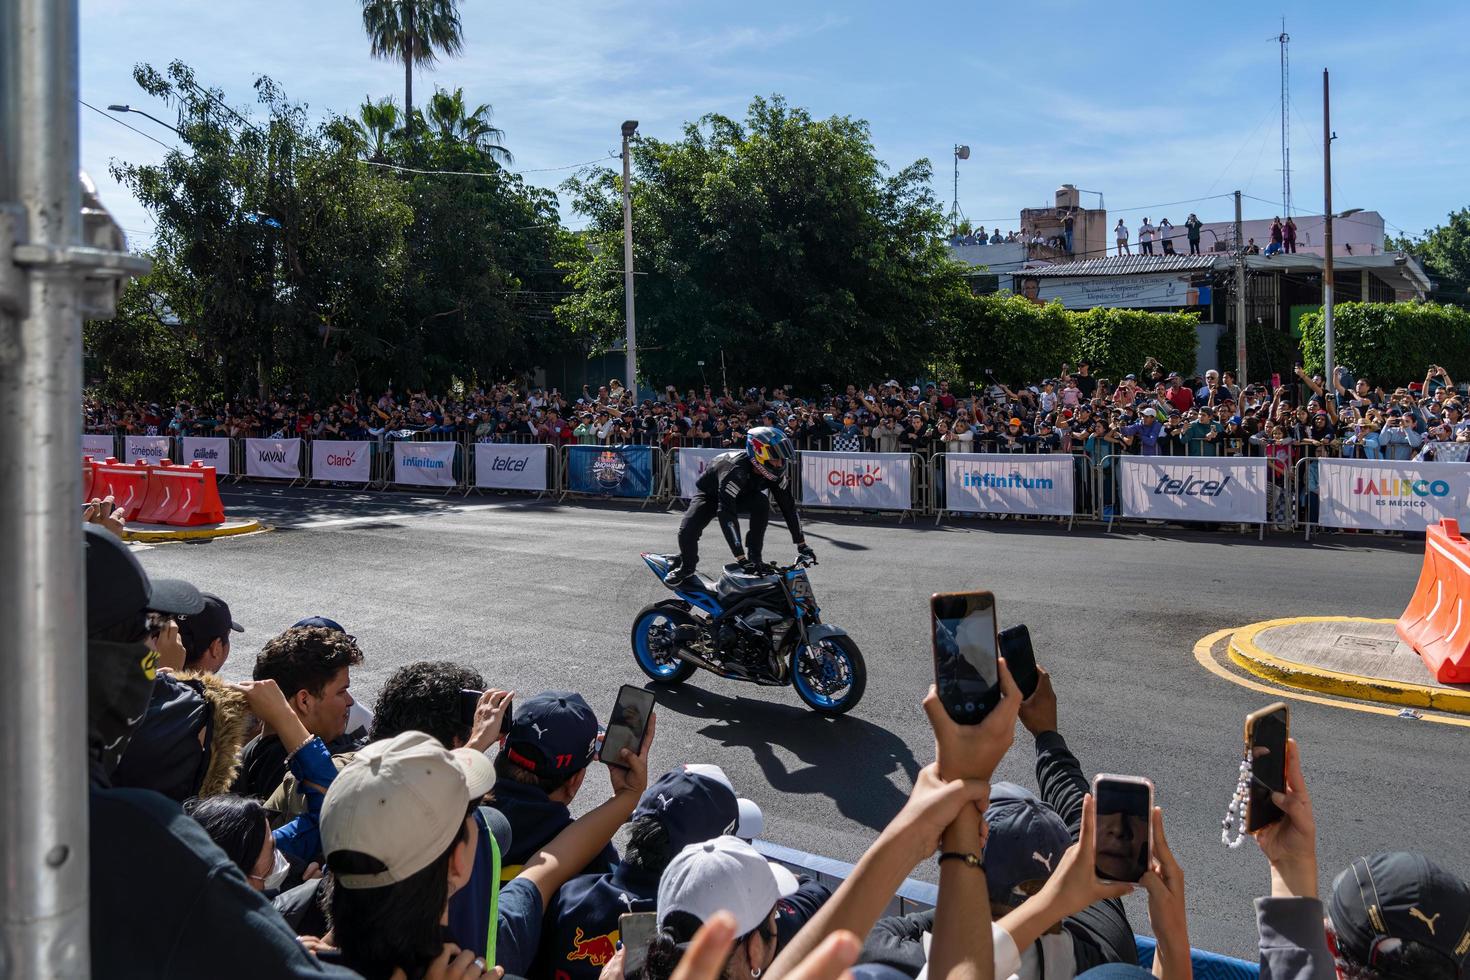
x=1125, y=265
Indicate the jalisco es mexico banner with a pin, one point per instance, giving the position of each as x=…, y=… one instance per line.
x=610, y=471
x=510, y=467
x=275, y=459
x=209, y=450
x=1192, y=488
x=1002, y=483
x=424, y=464
x=150, y=449
x=1389, y=495
x=342, y=460
x=689, y=465
x=863, y=481
x=98, y=446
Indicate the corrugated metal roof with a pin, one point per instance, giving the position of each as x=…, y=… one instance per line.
x=1127, y=265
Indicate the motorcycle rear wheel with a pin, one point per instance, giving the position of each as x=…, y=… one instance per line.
x=652, y=640
x=818, y=675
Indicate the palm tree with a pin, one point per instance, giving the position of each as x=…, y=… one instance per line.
x=448, y=112
x=413, y=32
x=375, y=124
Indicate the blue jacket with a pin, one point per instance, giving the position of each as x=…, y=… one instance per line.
x=581, y=930
x=312, y=766
x=535, y=820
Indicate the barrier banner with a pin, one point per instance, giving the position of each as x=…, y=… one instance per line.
x=1230, y=491
x=424, y=464
x=689, y=465
x=209, y=451
x=275, y=459
x=510, y=467
x=1391, y=495
x=342, y=461
x=610, y=471
x=150, y=449
x=863, y=481
x=1002, y=483
x=99, y=447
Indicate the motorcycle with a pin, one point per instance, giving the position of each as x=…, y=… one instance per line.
x=761, y=628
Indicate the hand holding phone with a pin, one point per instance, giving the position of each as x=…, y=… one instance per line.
x=635, y=931
x=1266, y=732
x=1125, y=806
x=487, y=714
x=1020, y=657
x=966, y=669
x=627, y=724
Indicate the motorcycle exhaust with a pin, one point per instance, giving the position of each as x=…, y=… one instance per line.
x=698, y=661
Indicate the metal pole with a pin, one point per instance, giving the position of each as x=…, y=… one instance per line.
x=632, y=364
x=43, y=716
x=1329, y=377
x=1240, y=345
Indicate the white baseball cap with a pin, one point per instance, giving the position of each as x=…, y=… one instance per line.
x=752, y=822
x=1149, y=411
x=724, y=874
x=402, y=801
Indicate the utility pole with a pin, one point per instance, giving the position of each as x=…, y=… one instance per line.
x=961, y=152
x=1329, y=378
x=631, y=369
x=1240, y=351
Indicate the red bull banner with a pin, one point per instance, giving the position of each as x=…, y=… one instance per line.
x=857, y=481
x=689, y=465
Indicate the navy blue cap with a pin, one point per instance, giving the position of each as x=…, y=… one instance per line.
x=1381, y=902
x=211, y=623
x=322, y=621
x=692, y=807
x=553, y=734
x=1027, y=841
x=1115, y=971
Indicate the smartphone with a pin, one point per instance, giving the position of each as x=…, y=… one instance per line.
x=965, y=652
x=1276, y=380
x=1124, y=831
x=1266, y=732
x=635, y=931
x=469, y=701
x=626, y=726
x=1015, y=646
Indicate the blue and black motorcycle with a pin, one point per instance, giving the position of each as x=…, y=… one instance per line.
x=763, y=628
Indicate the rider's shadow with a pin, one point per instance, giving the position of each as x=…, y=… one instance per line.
x=846, y=759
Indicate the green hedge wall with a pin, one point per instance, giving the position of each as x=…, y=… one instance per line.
x=1391, y=344
x=1117, y=342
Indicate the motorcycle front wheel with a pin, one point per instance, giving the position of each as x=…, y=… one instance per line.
x=830, y=675
x=653, y=642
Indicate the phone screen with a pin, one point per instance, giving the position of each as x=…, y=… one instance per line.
x=965, y=669
x=635, y=931
x=468, y=701
x=1266, y=736
x=629, y=719
x=1123, y=807
x=1015, y=646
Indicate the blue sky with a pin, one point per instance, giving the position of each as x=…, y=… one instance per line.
x=1146, y=102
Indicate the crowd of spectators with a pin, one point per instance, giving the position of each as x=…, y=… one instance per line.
x=428, y=839
x=978, y=237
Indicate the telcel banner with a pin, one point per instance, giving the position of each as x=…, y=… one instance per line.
x=1390, y=494
x=150, y=449
x=424, y=464
x=342, y=461
x=610, y=471
x=275, y=459
x=864, y=481
x=1002, y=483
x=209, y=451
x=690, y=464
x=1190, y=488
x=510, y=467
x=98, y=446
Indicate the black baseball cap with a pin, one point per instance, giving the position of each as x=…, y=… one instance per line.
x=553, y=734
x=1382, y=902
x=209, y=624
x=691, y=806
x=117, y=586
x=321, y=621
x=1027, y=840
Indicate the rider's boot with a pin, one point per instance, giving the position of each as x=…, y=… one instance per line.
x=678, y=575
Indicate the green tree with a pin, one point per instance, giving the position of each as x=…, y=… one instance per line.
x=1445, y=252
x=1009, y=338
x=456, y=122
x=1391, y=344
x=375, y=126
x=414, y=32
x=780, y=241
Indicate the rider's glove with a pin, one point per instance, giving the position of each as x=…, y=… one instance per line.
x=805, y=551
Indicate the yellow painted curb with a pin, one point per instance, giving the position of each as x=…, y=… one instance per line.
x=193, y=533
x=1249, y=656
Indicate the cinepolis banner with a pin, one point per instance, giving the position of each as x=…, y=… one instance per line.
x=342, y=461
x=424, y=464
x=689, y=465
x=510, y=467
x=1002, y=483
x=208, y=451
x=1391, y=495
x=863, y=481
x=1192, y=488
x=274, y=459
x=99, y=447
x=150, y=449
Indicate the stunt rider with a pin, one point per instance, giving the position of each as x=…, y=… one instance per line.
x=735, y=481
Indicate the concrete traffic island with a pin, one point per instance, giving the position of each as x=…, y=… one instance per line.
x=1345, y=656
x=152, y=533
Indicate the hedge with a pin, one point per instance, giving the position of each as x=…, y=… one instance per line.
x=1391, y=344
x=1118, y=342
x=1268, y=350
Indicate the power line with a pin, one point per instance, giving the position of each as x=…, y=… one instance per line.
x=482, y=173
x=108, y=115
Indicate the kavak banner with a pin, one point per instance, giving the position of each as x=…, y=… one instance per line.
x=424, y=464
x=501, y=466
x=690, y=464
x=1193, y=488
x=611, y=471
x=98, y=446
x=1003, y=483
x=209, y=450
x=273, y=459
x=861, y=481
x=1390, y=495
x=342, y=460
x=150, y=449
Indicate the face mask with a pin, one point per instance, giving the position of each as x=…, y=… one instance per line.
x=119, y=684
x=279, y=867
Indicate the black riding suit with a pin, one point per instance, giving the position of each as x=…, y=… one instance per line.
x=728, y=486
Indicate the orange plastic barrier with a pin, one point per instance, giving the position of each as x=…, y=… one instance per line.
x=89, y=479
x=187, y=495
x=127, y=482
x=1436, y=622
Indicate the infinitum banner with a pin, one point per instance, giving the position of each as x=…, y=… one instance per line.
x=424, y=464
x=1002, y=483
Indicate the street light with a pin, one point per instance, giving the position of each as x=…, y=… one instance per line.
x=630, y=127
x=127, y=108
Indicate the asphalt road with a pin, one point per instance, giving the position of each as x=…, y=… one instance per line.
x=538, y=596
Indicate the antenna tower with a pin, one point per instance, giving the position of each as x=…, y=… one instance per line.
x=1284, y=39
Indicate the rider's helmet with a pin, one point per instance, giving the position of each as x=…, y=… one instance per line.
x=769, y=451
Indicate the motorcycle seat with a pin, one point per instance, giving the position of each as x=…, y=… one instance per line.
x=735, y=584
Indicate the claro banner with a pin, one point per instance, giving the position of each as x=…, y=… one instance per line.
x=1193, y=489
x=342, y=461
x=863, y=481
x=1001, y=483
x=1391, y=495
x=209, y=451
x=510, y=467
x=690, y=464
x=150, y=449
x=274, y=459
x=424, y=464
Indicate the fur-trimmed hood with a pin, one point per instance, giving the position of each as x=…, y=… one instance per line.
x=188, y=743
